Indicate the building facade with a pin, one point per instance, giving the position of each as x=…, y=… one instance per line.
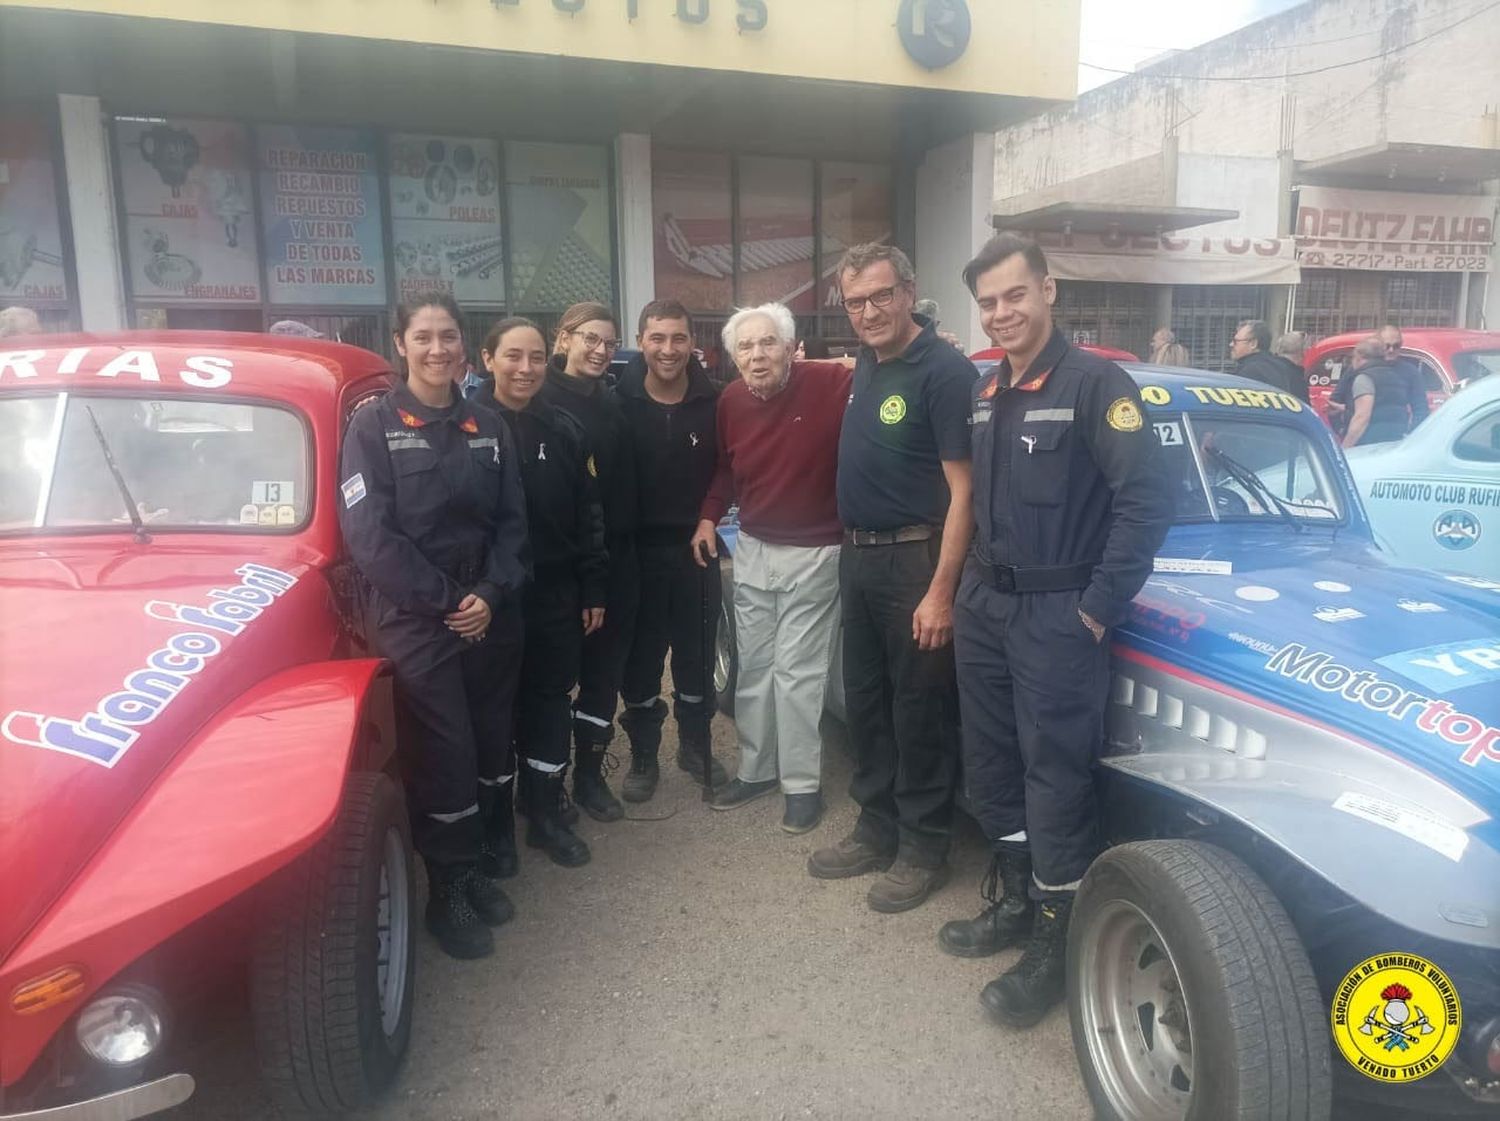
x=172, y=163
x=1329, y=169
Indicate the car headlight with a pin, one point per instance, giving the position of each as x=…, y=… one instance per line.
x=123, y=1027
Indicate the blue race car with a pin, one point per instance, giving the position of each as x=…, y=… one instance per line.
x=1434, y=497
x=1302, y=773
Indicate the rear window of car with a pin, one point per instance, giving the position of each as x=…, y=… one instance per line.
x=186, y=463
x=1471, y=365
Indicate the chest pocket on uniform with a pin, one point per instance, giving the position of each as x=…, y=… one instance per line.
x=1040, y=462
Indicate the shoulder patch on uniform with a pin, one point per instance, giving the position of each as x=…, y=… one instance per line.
x=354, y=490
x=410, y=419
x=1124, y=416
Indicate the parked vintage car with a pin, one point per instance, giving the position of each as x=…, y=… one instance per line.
x=1302, y=771
x=1448, y=357
x=197, y=784
x=1434, y=497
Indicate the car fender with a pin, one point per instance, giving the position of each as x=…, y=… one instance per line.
x=1385, y=832
x=253, y=790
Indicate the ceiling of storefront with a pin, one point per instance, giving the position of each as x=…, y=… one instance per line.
x=150, y=67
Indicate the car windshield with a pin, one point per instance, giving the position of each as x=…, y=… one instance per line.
x=1471, y=365
x=1234, y=470
x=188, y=464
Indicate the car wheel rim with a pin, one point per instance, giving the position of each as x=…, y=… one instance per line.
x=723, y=655
x=393, y=932
x=1134, y=1015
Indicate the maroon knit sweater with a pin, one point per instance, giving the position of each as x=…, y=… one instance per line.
x=779, y=458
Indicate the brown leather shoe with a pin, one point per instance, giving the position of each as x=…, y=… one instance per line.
x=848, y=858
x=905, y=886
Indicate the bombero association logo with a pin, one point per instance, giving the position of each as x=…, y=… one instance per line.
x=1396, y=1017
x=935, y=33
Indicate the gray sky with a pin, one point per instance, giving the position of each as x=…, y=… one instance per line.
x=1124, y=33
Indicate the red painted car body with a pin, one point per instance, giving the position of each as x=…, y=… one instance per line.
x=995, y=353
x=177, y=716
x=1448, y=357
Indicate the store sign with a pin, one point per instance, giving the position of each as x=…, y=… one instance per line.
x=190, y=234
x=31, y=262
x=1388, y=231
x=1168, y=259
x=751, y=15
x=445, y=217
x=320, y=196
x=935, y=33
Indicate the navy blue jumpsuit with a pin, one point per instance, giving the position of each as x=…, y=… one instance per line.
x=432, y=509
x=1071, y=503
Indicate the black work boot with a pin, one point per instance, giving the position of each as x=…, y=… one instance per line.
x=1022, y=995
x=451, y=918
x=1006, y=920
x=590, y=790
x=488, y=898
x=694, y=741
x=497, y=849
x=643, y=727
x=545, y=828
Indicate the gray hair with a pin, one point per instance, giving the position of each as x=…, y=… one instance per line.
x=19, y=321
x=927, y=307
x=1291, y=345
x=778, y=314
x=857, y=258
x=1371, y=349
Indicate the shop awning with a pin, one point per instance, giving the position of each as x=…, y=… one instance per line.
x=1106, y=218
x=1404, y=163
x=1166, y=259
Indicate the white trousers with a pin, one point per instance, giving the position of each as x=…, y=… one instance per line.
x=786, y=603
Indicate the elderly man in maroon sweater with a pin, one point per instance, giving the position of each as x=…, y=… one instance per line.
x=778, y=429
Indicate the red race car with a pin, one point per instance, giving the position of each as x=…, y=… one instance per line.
x=197, y=777
x=1449, y=357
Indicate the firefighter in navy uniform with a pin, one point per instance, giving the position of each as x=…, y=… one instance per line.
x=578, y=384
x=1070, y=504
x=434, y=519
x=565, y=600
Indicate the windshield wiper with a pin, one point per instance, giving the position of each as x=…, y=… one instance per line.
x=1255, y=485
x=114, y=469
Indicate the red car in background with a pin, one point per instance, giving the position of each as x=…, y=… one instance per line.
x=1449, y=357
x=995, y=353
x=198, y=789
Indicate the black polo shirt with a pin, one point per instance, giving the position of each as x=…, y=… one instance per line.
x=906, y=416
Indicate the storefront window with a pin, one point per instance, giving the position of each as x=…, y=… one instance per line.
x=31, y=254
x=190, y=230
x=324, y=235
x=691, y=203
x=776, y=233
x=445, y=217
x=856, y=207
x=561, y=243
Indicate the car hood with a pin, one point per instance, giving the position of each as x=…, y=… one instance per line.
x=110, y=660
x=1403, y=659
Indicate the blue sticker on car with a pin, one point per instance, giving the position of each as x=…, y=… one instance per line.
x=1456, y=529
x=1453, y=665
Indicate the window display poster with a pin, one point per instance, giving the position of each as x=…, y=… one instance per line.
x=320, y=198
x=776, y=233
x=190, y=234
x=692, y=206
x=31, y=262
x=561, y=250
x=856, y=208
x=445, y=217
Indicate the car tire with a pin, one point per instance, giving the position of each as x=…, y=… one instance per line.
x=726, y=654
x=1178, y=952
x=332, y=976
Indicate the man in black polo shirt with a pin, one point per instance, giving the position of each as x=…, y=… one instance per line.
x=1070, y=506
x=903, y=493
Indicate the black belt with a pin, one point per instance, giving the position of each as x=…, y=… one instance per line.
x=862, y=538
x=1036, y=578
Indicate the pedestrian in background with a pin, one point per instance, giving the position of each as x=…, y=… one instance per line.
x=587, y=337
x=1166, y=350
x=778, y=437
x=1379, y=397
x=564, y=603
x=19, y=320
x=1251, y=350
x=1289, y=351
x=903, y=496
x=669, y=406
x=1391, y=342
x=1070, y=506
x=434, y=518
